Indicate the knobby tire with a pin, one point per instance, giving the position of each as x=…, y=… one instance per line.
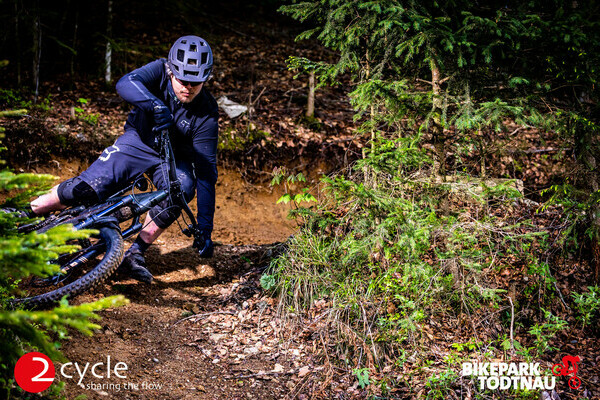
x=113, y=255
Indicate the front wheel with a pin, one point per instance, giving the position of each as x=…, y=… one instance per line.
x=107, y=252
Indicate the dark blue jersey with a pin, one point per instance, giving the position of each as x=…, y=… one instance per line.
x=195, y=134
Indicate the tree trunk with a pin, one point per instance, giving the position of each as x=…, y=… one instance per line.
x=74, y=44
x=37, y=50
x=18, y=42
x=437, y=129
x=108, y=54
x=310, y=106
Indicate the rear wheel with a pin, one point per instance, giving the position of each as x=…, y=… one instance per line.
x=574, y=382
x=98, y=258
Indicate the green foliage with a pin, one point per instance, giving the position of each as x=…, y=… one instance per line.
x=362, y=375
x=12, y=98
x=234, y=141
x=588, y=305
x=303, y=65
x=391, y=245
x=389, y=260
x=578, y=196
x=459, y=65
x=268, y=282
x=22, y=256
x=545, y=331
x=439, y=385
x=291, y=181
x=82, y=114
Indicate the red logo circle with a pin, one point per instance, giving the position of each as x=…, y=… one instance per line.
x=34, y=372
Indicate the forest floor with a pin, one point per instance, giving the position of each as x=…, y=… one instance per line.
x=205, y=329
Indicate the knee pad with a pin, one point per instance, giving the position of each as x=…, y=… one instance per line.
x=75, y=191
x=164, y=214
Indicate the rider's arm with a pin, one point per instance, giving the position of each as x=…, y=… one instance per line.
x=204, y=142
x=138, y=86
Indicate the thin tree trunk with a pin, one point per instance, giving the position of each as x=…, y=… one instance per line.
x=437, y=129
x=18, y=42
x=37, y=51
x=366, y=171
x=108, y=54
x=310, y=106
x=74, y=44
x=437, y=132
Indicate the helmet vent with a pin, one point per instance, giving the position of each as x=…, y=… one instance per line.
x=204, y=58
x=180, y=55
x=192, y=61
x=193, y=47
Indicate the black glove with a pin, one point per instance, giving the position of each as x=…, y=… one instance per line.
x=162, y=116
x=204, y=245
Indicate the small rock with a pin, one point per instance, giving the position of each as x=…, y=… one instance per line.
x=216, y=337
x=251, y=350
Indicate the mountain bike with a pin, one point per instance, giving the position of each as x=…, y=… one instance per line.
x=100, y=255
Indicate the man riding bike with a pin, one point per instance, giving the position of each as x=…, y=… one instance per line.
x=166, y=94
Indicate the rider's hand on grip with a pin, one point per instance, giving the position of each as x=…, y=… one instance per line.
x=162, y=116
x=205, y=246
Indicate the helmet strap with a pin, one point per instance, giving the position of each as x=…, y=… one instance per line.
x=170, y=89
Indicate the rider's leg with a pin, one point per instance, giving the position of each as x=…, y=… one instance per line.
x=157, y=220
x=151, y=231
x=71, y=192
x=164, y=214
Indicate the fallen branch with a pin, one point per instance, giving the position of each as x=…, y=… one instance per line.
x=204, y=315
x=13, y=113
x=258, y=374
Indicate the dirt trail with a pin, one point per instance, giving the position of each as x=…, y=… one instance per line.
x=230, y=350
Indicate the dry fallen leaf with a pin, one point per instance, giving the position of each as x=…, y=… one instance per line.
x=303, y=371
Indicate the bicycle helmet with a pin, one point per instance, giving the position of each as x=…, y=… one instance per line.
x=191, y=59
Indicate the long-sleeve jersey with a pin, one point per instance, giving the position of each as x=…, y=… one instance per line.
x=194, y=137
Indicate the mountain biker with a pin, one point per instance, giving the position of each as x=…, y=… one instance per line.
x=166, y=94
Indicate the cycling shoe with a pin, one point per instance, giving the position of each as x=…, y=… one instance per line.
x=134, y=266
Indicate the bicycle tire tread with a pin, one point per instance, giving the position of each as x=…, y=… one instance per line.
x=110, y=262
